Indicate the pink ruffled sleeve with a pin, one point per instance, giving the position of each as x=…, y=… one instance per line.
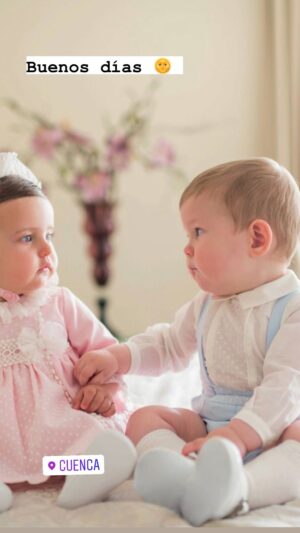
x=85, y=331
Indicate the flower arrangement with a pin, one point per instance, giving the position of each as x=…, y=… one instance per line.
x=87, y=169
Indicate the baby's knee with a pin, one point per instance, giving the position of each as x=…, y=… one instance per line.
x=292, y=432
x=141, y=416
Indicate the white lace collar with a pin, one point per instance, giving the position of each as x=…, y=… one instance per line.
x=21, y=306
x=25, y=305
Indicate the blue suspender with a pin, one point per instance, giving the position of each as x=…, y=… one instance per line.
x=276, y=316
x=207, y=386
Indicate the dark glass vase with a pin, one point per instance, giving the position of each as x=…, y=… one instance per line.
x=99, y=225
x=103, y=303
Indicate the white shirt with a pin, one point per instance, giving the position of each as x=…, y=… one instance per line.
x=234, y=341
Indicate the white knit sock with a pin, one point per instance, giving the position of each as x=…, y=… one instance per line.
x=119, y=457
x=5, y=497
x=274, y=476
x=160, y=438
x=217, y=485
x=161, y=475
x=155, y=478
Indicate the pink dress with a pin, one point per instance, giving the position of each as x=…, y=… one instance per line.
x=42, y=335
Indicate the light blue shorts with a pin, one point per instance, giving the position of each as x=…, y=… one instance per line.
x=217, y=411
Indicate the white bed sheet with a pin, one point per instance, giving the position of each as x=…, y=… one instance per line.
x=37, y=508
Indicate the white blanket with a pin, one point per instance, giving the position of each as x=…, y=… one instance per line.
x=36, y=507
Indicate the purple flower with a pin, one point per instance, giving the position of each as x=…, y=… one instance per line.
x=163, y=154
x=93, y=187
x=45, y=140
x=118, y=152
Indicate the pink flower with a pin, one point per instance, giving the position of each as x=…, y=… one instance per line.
x=118, y=152
x=163, y=154
x=93, y=187
x=45, y=140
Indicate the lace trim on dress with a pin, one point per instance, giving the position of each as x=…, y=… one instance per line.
x=31, y=346
x=11, y=353
x=26, y=304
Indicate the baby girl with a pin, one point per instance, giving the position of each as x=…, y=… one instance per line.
x=45, y=329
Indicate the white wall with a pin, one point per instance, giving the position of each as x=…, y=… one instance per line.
x=226, y=91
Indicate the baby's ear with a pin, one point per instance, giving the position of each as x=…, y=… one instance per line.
x=261, y=237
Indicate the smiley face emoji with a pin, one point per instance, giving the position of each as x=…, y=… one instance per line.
x=162, y=65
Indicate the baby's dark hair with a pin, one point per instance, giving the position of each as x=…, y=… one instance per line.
x=13, y=187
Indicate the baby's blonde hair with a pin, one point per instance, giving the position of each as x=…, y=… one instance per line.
x=255, y=188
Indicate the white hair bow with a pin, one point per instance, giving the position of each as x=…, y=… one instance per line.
x=10, y=165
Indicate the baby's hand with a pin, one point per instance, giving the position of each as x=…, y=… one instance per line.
x=193, y=446
x=94, y=399
x=224, y=432
x=99, y=362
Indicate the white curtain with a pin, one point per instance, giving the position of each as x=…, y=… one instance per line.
x=286, y=40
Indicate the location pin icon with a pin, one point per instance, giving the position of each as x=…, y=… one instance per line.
x=51, y=465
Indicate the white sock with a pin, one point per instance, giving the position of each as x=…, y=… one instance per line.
x=160, y=438
x=274, y=476
x=211, y=487
x=6, y=497
x=119, y=456
x=160, y=477
x=218, y=484
x=155, y=478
